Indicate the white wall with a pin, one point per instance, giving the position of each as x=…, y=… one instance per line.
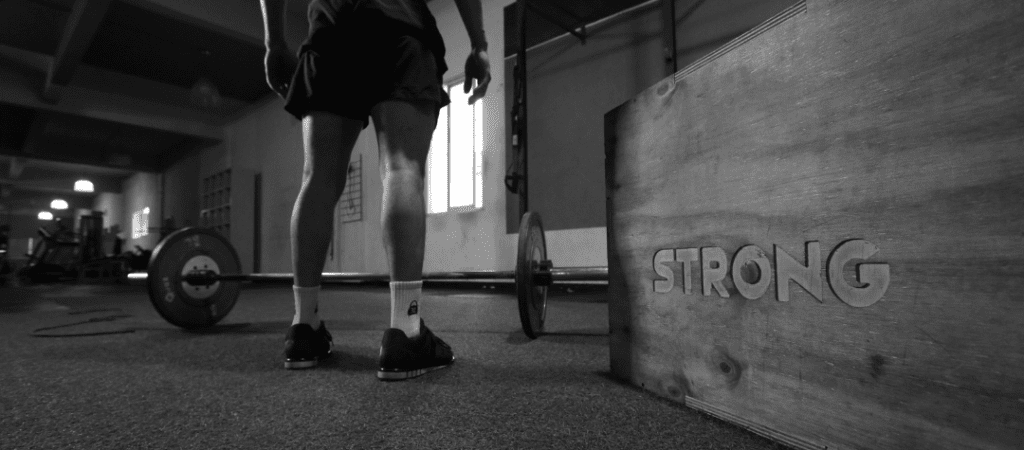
x=112, y=207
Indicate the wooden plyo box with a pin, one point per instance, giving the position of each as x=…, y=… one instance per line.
x=817, y=232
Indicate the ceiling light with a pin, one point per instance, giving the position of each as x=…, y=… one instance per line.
x=45, y=215
x=58, y=204
x=83, y=186
x=204, y=94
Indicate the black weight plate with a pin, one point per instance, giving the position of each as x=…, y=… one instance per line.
x=531, y=251
x=182, y=304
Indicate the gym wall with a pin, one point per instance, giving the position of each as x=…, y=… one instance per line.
x=112, y=207
x=571, y=86
x=181, y=189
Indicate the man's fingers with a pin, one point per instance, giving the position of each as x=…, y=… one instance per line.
x=481, y=89
x=478, y=93
x=279, y=67
x=478, y=71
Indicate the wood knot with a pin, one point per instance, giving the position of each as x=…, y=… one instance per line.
x=877, y=366
x=731, y=369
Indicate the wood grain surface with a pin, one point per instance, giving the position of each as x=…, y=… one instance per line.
x=878, y=136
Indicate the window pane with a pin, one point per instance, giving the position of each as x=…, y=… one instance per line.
x=462, y=152
x=437, y=166
x=478, y=151
x=140, y=224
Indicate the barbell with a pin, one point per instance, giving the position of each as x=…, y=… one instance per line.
x=194, y=277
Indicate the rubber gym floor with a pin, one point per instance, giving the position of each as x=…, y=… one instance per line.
x=134, y=381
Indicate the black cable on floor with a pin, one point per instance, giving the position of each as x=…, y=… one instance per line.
x=110, y=318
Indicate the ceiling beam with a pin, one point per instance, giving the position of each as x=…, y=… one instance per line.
x=21, y=89
x=239, y=19
x=32, y=204
x=98, y=159
x=15, y=167
x=59, y=5
x=25, y=60
x=79, y=31
x=63, y=185
x=90, y=77
x=50, y=166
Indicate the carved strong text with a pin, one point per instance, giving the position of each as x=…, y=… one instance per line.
x=714, y=268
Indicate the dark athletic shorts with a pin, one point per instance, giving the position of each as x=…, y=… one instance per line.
x=349, y=73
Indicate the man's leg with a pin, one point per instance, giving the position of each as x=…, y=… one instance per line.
x=404, y=130
x=328, y=140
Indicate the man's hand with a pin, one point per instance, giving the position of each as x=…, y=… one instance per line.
x=478, y=68
x=280, y=66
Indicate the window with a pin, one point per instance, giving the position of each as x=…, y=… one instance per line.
x=215, y=202
x=140, y=223
x=455, y=166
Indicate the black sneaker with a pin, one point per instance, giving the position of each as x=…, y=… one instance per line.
x=304, y=347
x=402, y=358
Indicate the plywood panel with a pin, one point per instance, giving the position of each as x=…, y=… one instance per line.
x=843, y=127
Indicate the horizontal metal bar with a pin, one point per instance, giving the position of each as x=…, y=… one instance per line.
x=593, y=26
x=557, y=274
x=689, y=12
x=350, y=277
x=544, y=14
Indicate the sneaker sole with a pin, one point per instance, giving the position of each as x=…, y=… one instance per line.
x=393, y=376
x=300, y=364
x=304, y=364
x=308, y=364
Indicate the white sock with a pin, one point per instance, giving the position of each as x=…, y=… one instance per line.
x=405, y=307
x=306, y=306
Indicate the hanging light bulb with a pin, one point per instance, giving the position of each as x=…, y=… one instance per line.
x=204, y=93
x=83, y=186
x=59, y=204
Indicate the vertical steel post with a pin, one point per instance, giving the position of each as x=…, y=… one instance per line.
x=524, y=197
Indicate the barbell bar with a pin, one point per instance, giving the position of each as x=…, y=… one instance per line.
x=542, y=276
x=194, y=277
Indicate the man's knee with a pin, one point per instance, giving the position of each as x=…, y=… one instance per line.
x=322, y=183
x=402, y=165
x=407, y=178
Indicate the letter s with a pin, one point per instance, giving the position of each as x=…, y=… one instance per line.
x=660, y=258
